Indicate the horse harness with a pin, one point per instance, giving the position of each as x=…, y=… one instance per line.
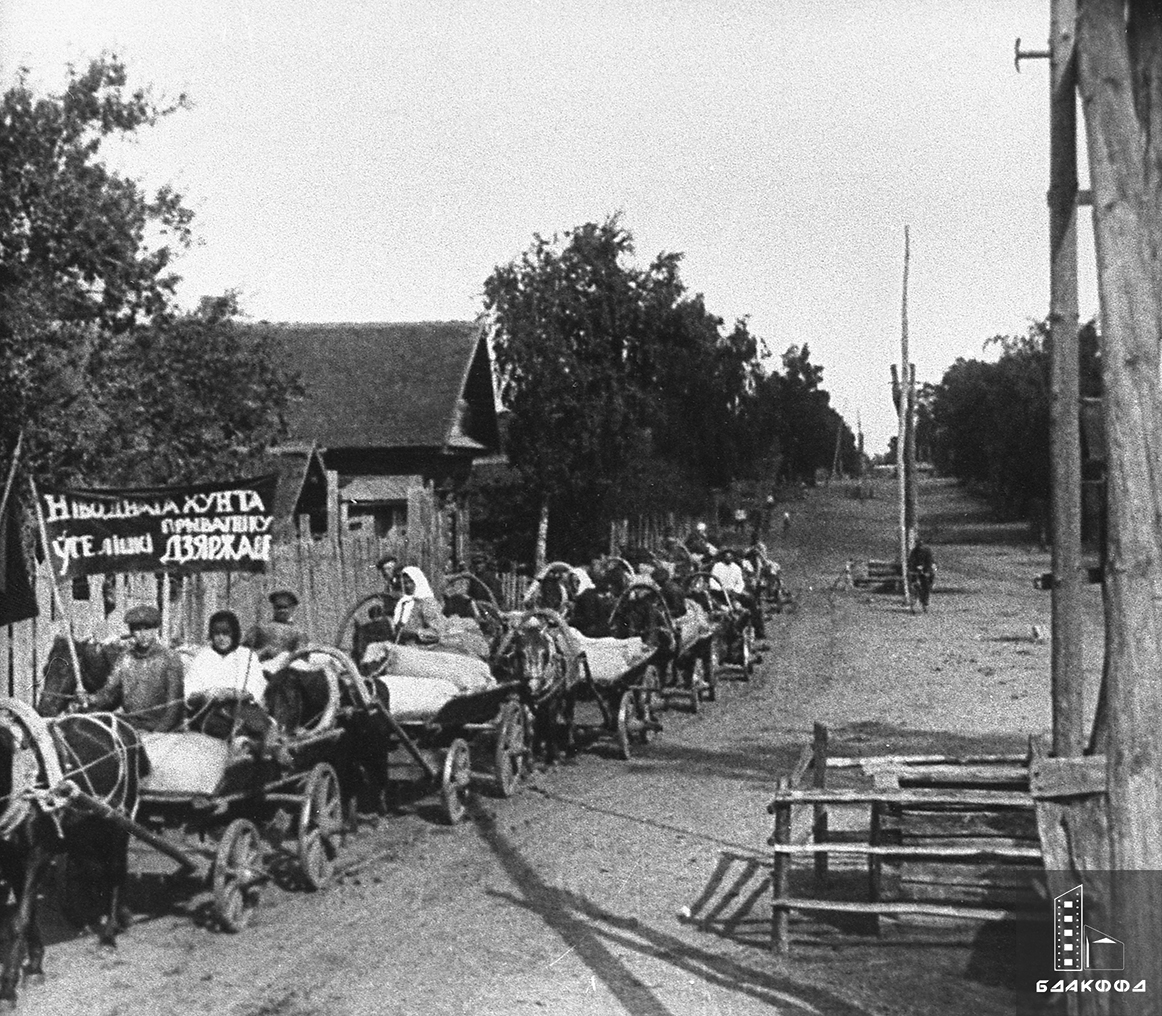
x=40, y=780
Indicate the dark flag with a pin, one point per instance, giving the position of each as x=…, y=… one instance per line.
x=17, y=600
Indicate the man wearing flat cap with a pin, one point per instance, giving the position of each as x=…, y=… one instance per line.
x=280, y=634
x=146, y=683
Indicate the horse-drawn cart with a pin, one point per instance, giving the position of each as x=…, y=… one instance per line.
x=734, y=636
x=447, y=712
x=261, y=807
x=623, y=673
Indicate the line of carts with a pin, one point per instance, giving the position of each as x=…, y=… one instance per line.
x=238, y=816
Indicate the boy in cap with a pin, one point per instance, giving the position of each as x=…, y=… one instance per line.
x=147, y=682
x=280, y=634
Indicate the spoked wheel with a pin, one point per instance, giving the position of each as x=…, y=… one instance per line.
x=236, y=873
x=710, y=662
x=509, y=758
x=456, y=781
x=625, y=723
x=646, y=697
x=747, y=652
x=320, y=826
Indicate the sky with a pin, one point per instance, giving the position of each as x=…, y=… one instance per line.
x=374, y=161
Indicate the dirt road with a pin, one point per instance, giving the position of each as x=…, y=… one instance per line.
x=566, y=899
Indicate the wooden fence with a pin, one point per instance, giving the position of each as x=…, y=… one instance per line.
x=648, y=531
x=328, y=575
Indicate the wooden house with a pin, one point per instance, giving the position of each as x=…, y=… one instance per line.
x=396, y=414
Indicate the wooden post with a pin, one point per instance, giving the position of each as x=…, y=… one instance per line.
x=780, y=941
x=1064, y=404
x=835, y=455
x=911, y=490
x=65, y=615
x=11, y=477
x=1119, y=62
x=819, y=781
x=334, y=526
x=166, y=619
x=902, y=408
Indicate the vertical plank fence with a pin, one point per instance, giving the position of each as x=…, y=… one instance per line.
x=329, y=577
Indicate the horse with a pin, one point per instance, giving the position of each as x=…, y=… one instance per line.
x=102, y=756
x=538, y=656
x=97, y=660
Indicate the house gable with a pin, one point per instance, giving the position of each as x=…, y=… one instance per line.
x=385, y=387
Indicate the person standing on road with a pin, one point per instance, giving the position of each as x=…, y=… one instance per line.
x=922, y=572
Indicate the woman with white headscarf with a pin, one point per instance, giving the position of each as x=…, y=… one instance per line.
x=417, y=616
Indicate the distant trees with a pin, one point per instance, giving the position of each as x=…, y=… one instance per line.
x=987, y=423
x=625, y=393
x=109, y=380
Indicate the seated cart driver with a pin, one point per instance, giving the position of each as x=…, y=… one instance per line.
x=699, y=545
x=147, y=681
x=225, y=684
x=277, y=638
x=729, y=572
x=417, y=616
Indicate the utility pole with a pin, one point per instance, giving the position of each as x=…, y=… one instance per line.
x=1068, y=678
x=904, y=395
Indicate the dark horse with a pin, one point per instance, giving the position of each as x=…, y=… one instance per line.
x=100, y=755
x=537, y=653
x=59, y=690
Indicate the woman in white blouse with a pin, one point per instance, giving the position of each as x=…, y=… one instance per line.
x=227, y=669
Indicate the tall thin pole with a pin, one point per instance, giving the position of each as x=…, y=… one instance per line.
x=911, y=491
x=65, y=616
x=902, y=437
x=11, y=476
x=1066, y=656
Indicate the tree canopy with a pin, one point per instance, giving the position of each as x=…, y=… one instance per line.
x=623, y=389
x=110, y=381
x=987, y=423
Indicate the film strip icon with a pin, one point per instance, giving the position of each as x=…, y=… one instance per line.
x=1068, y=925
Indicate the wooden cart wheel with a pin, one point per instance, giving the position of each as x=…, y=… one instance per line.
x=455, y=780
x=509, y=758
x=644, y=703
x=625, y=723
x=710, y=663
x=237, y=869
x=747, y=651
x=697, y=683
x=320, y=826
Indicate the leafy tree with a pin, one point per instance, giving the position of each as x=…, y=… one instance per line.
x=989, y=422
x=110, y=381
x=625, y=391
x=565, y=314
x=806, y=422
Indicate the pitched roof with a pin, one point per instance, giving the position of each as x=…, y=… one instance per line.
x=375, y=490
x=421, y=384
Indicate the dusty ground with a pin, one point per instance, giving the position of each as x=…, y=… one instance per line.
x=565, y=899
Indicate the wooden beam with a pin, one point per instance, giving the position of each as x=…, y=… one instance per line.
x=851, y=761
x=1067, y=675
x=862, y=849
x=905, y=907
x=951, y=796
x=1067, y=777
